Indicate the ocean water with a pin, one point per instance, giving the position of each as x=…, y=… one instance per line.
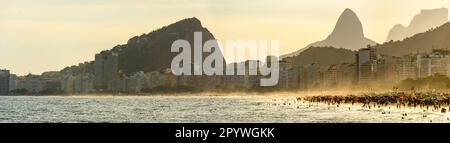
x=198, y=109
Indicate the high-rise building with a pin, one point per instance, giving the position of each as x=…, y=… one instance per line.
x=68, y=83
x=406, y=67
x=366, y=65
x=340, y=75
x=423, y=65
x=105, y=68
x=311, y=76
x=84, y=83
x=34, y=84
x=16, y=82
x=288, y=76
x=135, y=82
x=4, y=82
x=331, y=76
x=13, y=82
x=437, y=61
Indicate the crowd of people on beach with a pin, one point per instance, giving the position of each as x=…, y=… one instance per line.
x=433, y=101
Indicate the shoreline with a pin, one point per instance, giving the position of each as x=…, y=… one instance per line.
x=336, y=93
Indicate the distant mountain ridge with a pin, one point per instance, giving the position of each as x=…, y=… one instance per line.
x=325, y=56
x=428, y=18
x=437, y=38
x=348, y=34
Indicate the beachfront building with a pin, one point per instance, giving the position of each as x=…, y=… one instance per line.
x=135, y=82
x=115, y=85
x=105, y=69
x=86, y=67
x=235, y=80
x=311, y=76
x=83, y=83
x=366, y=65
x=165, y=78
x=346, y=74
x=406, y=67
x=340, y=75
x=216, y=81
x=16, y=82
x=437, y=61
x=288, y=76
x=387, y=67
x=4, y=82
x=331, y=76
x=68, y=83
x=154, y=79
x=252, y=76
x=13, y=82
x=51, y=81
x=34, y=84
x=422, y=65
x=168, y=78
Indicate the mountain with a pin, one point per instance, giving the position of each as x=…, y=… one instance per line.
x=322, y=56
x=429, y=18
x=436, y=38
x=150, y=52
x=348, y=33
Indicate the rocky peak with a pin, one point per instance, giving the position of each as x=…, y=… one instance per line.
x=427, y=19
x=348, y=25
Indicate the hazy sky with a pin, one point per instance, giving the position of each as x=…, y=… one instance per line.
x=48, y=35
